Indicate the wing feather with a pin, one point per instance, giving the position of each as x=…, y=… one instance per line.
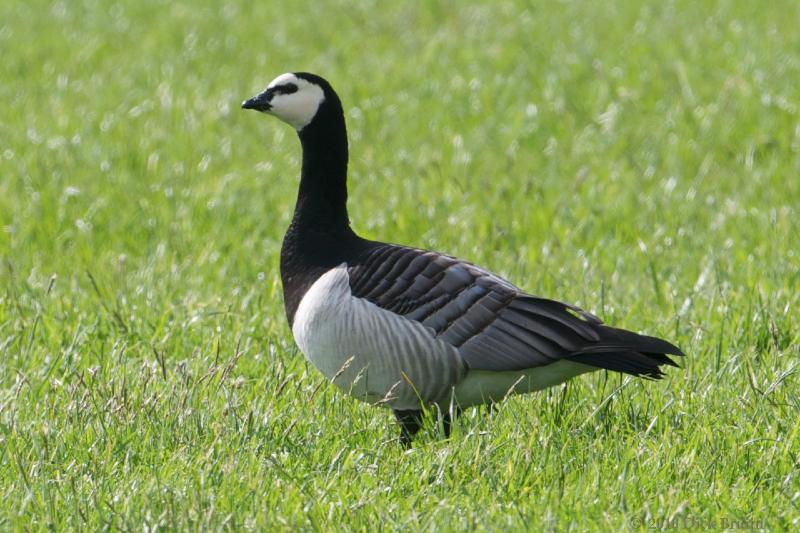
x=493, y=324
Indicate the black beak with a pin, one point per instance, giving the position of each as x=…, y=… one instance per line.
x=259, y=103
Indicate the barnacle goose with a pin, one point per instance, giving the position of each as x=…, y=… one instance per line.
x=407, y=328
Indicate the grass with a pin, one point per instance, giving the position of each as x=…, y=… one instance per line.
x=640, y=159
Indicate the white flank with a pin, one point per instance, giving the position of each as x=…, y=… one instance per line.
x=381, y=357
x=369, y=352
x=296, y=109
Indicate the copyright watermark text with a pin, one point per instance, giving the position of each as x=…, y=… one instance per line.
x=699, y=523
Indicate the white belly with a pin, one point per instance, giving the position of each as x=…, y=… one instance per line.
x=484, y=386
x=373, y=354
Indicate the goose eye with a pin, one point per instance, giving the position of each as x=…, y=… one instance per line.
x=289, y=88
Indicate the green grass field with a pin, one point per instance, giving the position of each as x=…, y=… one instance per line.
x=640, y=159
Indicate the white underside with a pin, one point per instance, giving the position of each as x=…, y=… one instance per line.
x=381, y=357
x=485, y=386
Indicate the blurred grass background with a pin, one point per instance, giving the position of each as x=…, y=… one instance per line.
x=638, y=158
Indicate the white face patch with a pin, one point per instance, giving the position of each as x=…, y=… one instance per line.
x=295, y=108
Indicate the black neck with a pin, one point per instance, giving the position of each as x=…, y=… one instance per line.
x=322, y=198
x=319, y=237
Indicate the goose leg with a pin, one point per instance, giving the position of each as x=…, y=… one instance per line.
x=447, y=420
x=410, y=422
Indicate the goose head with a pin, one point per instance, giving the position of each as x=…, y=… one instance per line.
x=295, y=98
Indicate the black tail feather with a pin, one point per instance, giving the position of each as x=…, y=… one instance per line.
x=634, y=363
x=625, y=351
